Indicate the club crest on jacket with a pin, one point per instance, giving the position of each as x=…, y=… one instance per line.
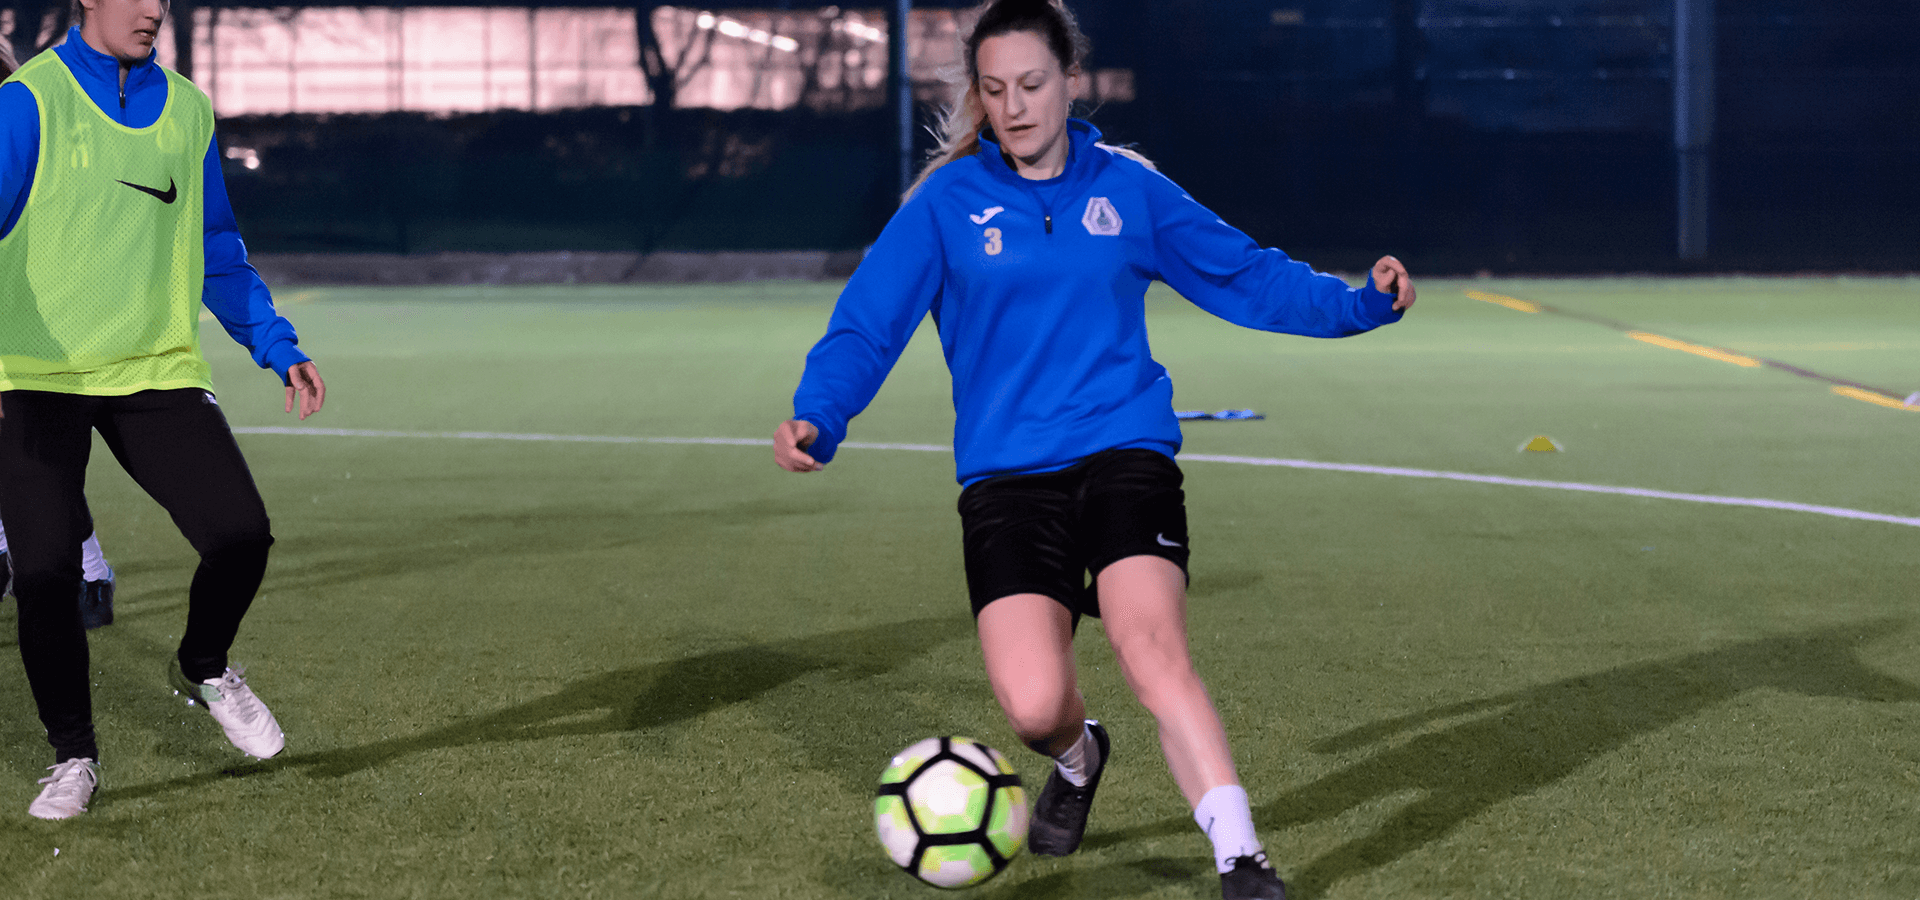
x=1101, y=218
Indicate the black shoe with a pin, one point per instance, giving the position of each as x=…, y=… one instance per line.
x=96, y=603
x=1252, y=879
x=6, y=574
x=1060, y=812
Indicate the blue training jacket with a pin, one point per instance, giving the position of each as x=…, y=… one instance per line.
x=1038, y=289
x=234, y=291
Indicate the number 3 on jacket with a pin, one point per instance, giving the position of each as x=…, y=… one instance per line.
x=993, y=242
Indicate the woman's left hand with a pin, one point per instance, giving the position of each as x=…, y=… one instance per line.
x=304, y=381
x=1390, y=277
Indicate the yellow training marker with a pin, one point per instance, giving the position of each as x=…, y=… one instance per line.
x=1540, y=444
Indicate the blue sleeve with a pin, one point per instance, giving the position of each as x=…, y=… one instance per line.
x=876, y=316
x=19, y=150
x=1221, y=270
x=234, y=291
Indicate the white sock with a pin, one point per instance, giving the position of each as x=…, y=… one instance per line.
x=1227, y=818
x=3, y=539
x=92, y=561
x=1076, y=765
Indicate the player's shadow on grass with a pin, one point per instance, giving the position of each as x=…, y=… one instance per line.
x=635, y=699
x=1463, y=758
x=1130, y=878
x=440, y=541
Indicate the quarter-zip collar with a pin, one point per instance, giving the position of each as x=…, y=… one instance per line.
x=1081, y=136
x=1083, y=162
x=99, y=74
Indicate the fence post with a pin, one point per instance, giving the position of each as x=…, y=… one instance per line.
x=900, y=91
x=183, y=16
x=1693, y=98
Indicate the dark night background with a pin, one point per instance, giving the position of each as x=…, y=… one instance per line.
x=1463, y=135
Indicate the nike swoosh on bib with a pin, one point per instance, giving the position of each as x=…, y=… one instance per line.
x=166, y=196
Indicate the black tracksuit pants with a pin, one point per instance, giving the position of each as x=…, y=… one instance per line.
x=177, y=446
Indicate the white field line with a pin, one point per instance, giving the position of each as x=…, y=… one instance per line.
x=559, y=438
x=1755, y=502
x=1396, y=471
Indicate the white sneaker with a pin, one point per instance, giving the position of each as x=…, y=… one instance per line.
x=247, y=721
x=67, y=790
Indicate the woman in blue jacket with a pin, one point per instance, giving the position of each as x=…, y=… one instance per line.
x=1032, y=245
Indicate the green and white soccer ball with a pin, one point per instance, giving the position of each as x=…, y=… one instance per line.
x=951, y=812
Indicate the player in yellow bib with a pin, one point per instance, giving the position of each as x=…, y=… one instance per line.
x=116, y=231
x=96, y=595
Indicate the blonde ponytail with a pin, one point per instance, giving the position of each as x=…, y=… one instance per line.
x=959, y=133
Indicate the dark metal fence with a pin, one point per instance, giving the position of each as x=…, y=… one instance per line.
x=1464, y=135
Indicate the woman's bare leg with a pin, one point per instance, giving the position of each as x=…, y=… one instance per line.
x=1143, y=603
x=1027, y=641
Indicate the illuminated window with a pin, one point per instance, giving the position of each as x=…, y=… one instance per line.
x=432, y=59
x=469, y=59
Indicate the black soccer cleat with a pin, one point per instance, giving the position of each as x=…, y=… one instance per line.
x=1252, y=879
x=1060, y=812
x=6, y=573
x=96, y=602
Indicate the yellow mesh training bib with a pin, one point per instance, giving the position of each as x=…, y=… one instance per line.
x=100, y=280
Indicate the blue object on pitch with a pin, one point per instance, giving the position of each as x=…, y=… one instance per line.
x=1225, y=415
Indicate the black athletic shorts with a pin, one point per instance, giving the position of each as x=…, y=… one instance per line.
x=1048, y=533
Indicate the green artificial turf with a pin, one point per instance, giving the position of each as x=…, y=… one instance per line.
x=562, y=669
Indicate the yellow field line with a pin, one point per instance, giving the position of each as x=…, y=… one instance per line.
x=1695, y=349
x=1506, y=301
x=1911, y=404
x=1873, y=398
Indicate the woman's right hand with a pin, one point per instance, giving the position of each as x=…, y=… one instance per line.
x=1390, y=277
x=790, y=442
